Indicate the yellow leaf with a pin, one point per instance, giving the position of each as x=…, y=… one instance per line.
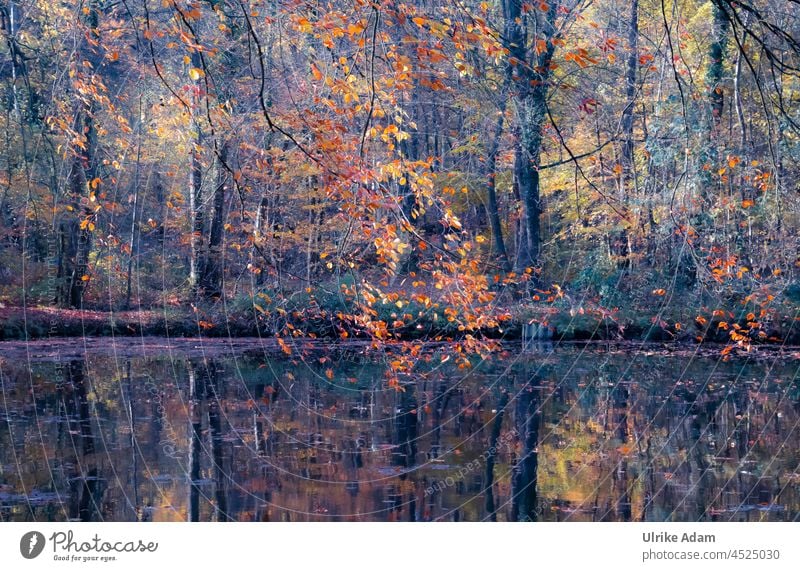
x=196, y=73
x=316, y=72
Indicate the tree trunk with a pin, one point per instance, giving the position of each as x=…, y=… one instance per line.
x=710, y=159
x=492, y=212
x=630, y=93
x=196, y=195
x=133, y=245
x=628, y=178
x=211, y=281
x=76, y=235
x=530, y=83
x=716, y=53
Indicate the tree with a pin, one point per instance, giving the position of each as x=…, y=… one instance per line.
x=76, y=232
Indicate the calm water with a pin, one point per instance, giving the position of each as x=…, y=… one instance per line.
x=249, y=433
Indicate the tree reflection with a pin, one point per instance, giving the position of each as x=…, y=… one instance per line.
x=87, y=483
x=606, y=439
x=527, y=416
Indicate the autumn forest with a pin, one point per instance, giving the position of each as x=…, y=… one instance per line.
x=401, y=170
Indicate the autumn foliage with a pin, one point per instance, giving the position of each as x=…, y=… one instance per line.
x=406, y=171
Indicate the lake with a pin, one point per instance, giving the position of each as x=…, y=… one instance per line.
x=215, y=430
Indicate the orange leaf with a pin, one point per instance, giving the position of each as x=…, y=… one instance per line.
x=284, y=347
x=625, y=449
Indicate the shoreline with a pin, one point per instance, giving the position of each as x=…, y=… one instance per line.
x=19, y=324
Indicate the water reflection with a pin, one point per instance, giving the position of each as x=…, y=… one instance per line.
x=564, y=435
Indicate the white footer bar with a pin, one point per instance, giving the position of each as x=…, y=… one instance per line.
x=399, y=546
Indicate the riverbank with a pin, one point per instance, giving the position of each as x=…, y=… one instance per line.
x=68, y=348
x=546, y=324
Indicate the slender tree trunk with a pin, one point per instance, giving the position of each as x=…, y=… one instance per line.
x=133, y=245
x=196, y=193
x=520, y=232
x=492, y=211
x=10, y=21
